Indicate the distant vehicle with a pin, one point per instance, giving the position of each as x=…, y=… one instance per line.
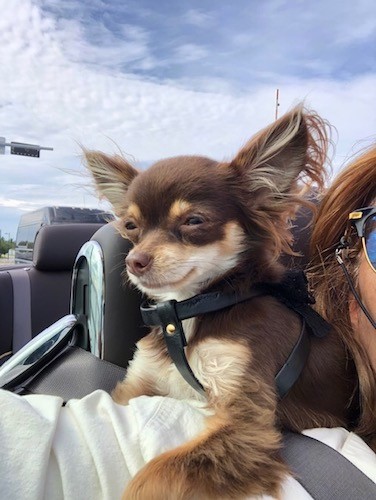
x=31, y=222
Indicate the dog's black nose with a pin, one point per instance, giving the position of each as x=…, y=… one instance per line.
x=138, y=262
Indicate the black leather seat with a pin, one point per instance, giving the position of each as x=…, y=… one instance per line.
x=32, y=298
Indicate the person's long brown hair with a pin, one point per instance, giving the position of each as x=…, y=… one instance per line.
x=354, y=187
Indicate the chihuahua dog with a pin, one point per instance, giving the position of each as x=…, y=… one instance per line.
x=199, y=225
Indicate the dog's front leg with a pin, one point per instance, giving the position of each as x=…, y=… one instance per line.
x=145, y=370
x=236, y=456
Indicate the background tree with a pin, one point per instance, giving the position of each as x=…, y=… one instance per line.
x=6, y=245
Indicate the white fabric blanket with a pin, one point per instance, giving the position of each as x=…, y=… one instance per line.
x=92, y=447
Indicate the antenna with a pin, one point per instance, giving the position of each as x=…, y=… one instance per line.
x=276, y=103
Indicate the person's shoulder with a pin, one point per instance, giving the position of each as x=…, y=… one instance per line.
x=350, y=445
x=361, y=455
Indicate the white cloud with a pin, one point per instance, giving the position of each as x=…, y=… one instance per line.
x=20, y=204
x=359, y=32
x=198, y=18
x=58, y=89
x=190, y=52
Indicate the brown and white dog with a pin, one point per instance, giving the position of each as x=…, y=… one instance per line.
x=199, y=225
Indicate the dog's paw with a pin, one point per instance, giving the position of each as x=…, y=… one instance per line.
x=201, y=470
x=163, y=479
x=120, y=395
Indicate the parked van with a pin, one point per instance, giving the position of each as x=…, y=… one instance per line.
x=31, y=222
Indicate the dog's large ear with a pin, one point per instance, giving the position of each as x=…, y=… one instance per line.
x=112, y=175
x=276, y=167
x=293, y=146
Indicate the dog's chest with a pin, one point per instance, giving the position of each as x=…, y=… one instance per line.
x=171, y=380
x=219, y=365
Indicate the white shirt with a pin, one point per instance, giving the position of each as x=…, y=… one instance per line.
x=92, y=447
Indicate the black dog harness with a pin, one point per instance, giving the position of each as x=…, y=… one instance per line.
x=292, y=292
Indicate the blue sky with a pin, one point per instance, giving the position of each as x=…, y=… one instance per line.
x=157, y=79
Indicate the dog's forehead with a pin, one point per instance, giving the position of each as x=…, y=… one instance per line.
x=171, y=185
x=184, y=172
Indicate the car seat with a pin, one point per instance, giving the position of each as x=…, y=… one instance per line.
x=34, y=297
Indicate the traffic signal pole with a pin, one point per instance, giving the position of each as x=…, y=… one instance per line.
x=23, y=149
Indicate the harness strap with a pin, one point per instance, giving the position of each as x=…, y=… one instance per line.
x=199, y=304
x=292, y=293
x=176, y=342
x=170, y=314
x=293, y=367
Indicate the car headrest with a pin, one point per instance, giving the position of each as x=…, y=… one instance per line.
x=56, y=246
x=123, y=325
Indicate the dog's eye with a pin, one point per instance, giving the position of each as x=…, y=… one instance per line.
x=194, y=220
x=129, y=225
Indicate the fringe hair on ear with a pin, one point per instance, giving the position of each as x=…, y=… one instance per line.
x=280, y=164
x=112, y=176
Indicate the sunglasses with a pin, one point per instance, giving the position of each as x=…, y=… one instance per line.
x=364, y=221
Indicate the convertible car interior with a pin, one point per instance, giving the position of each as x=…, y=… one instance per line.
x=34, y=297
x=76, y=286
x=90, y=320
